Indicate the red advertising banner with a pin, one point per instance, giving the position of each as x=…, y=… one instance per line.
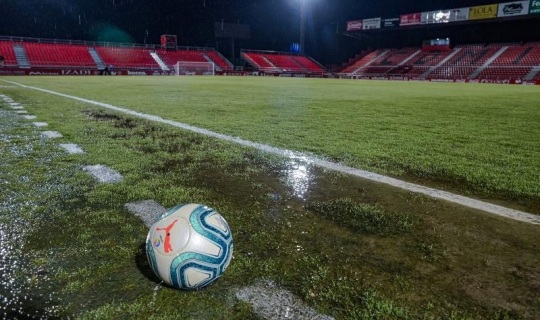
x=355, y=25
x=410, y=19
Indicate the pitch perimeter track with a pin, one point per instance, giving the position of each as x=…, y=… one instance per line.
x=434, y=193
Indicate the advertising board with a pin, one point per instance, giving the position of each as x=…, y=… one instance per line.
x=374, y=23
x=511, y=9
x=459, y=14
x=483, y=12
x=534, y=7
x=391, y=22
x=410, y=19
x=439, y=16
x=445, y=16
x=355, y=25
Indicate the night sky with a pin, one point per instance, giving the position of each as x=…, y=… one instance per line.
x=274, y=24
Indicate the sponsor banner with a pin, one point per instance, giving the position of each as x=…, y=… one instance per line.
x=534, y=6
x=390, y=22
x=516, y=8
x=80, y=72
x=374, y=23
x=410, y=19
x=355, y=25
x=483, y=12
x=445, y=16
x=459, y=14
x=439, y=16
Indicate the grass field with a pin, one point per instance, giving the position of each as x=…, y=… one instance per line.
x=350, y=248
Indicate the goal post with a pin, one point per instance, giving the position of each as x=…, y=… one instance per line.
x=194, y=68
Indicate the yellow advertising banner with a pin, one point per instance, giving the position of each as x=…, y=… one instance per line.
x=483, y=12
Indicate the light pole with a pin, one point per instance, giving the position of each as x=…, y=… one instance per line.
x=302, y=25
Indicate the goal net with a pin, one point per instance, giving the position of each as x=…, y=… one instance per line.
x=194, y=68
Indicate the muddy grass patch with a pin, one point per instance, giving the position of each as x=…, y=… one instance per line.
x=363, y=218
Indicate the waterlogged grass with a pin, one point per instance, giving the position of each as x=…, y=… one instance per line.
x=351, y=249
x=477, y=139
x=362, y=218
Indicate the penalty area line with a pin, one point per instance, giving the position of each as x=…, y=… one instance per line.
x=434, y=193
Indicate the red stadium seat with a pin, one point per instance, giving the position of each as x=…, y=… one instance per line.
x=121, y=57
x=58, y=55
x=6, y=50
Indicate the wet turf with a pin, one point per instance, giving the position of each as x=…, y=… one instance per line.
x=293, y=223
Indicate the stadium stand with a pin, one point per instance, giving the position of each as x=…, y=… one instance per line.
x=362, y=61
x=62, y=55
x=285, y=62
x=219, y=60
x=171, y=57
x=120, y=57
x=260, y=62
x=308, y=64
x=395, y=57
x=281, y=62
x=472, y=55
x=6, y=50
x=495, y=61
x=504, y=72
x=503, y=61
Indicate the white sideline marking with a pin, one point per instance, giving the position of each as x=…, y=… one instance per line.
x=72, y=148
x=274, y=303
x=104, y=174
x=52, y=134
x=448, y=196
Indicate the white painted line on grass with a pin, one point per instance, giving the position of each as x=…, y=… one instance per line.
x=40, y=124
x=273, y=303
x=21, y=111
x=71, y=148
x=451, y=197
x=51, y=134
x=29, y=117
x=148, y=210
x=104, y=174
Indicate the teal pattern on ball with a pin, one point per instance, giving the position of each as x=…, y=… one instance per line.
x=209, y=264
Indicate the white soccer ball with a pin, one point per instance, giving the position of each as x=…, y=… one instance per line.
x=189, y=246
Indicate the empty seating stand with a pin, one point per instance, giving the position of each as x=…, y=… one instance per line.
x=361, y=62
x=6, y=51
x=132, y=58
x=497, y=61
x=171, y=57
x=259, y=61
x=58, y=55
x=219, y=60
x=309, y=64
x=282, y=62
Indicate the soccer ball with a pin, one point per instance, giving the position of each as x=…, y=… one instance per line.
x=189, y=246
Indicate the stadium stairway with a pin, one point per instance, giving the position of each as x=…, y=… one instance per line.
x=532, y=74
x=417, y=52
x=486, y=64
x=377, y=57
x=218, y=68
x=160, y=62
x=440, y=64
x=22, y=57
x=97, y=59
